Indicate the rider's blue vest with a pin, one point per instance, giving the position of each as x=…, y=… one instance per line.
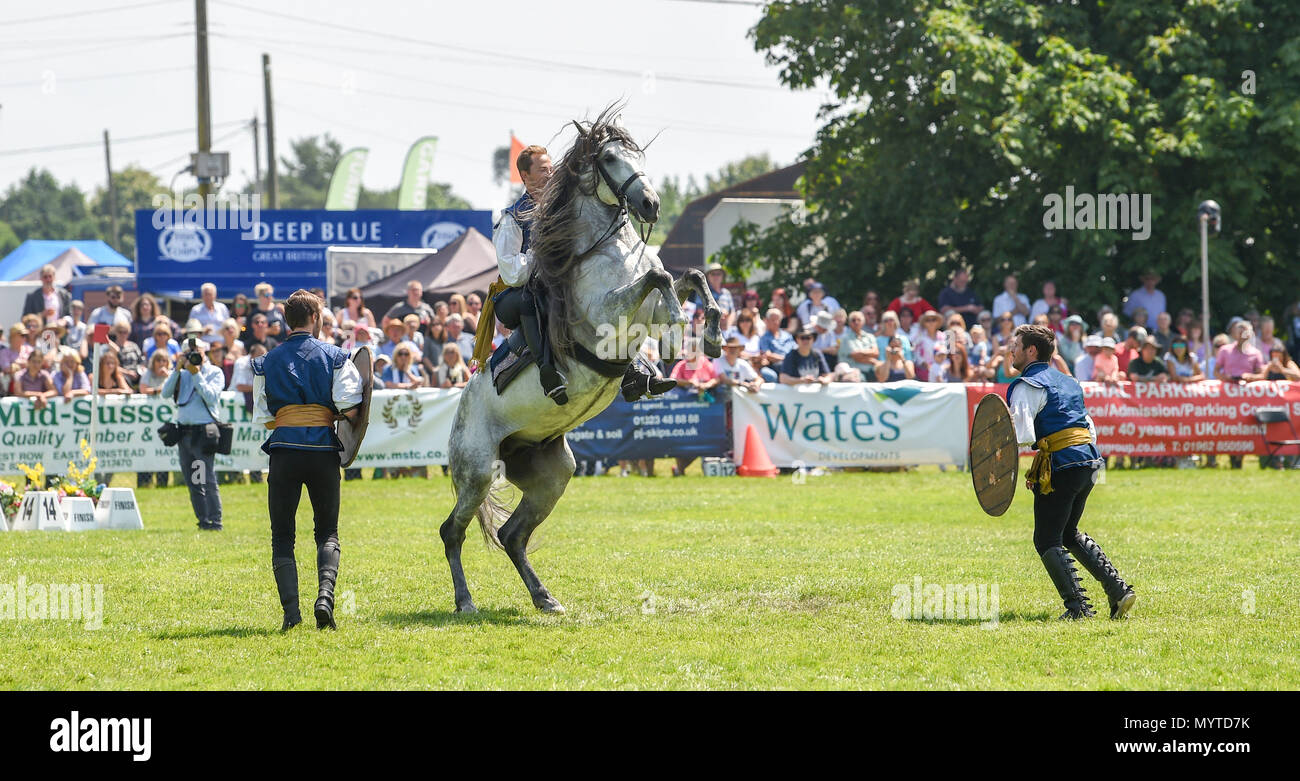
x=522, y=210
x=1064, y=409
x=301, y=371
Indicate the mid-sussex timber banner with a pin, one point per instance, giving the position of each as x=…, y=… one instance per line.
x=407, y=428
x=1174, y=419
x=856, y=424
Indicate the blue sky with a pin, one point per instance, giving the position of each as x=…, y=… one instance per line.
x=382, y=73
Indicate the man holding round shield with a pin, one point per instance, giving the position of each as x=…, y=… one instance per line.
x=1048, y=412
x=300, y=389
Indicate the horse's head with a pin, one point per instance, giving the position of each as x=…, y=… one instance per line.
x=615, y=163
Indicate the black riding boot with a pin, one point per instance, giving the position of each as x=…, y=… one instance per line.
x=1066, y=579
x=642, y=380
x=553, y=383
x=327, y=571
x=286, y=582
x=1119, y=594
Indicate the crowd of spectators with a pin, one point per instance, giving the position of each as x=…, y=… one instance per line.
x=794, y=339
x=47, y=352
x=961, y=340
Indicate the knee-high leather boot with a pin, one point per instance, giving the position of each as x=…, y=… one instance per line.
x=1119, y=594
x=285, y=570
x=553, y=382
x=1060, y=567
x=327, y=572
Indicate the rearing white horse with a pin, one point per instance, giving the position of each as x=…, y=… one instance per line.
x=598, y=276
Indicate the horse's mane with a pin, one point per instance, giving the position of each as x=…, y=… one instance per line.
x=556, y=224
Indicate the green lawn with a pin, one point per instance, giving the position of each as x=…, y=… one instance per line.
x=684, y=583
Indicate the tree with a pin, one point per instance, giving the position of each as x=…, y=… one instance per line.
x=134, y=188
x=952, y=122
x=306, y=180
x=38, y=207
x=9, y=240
x=674, y=196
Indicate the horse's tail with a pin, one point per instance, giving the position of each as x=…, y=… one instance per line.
x=492, y=513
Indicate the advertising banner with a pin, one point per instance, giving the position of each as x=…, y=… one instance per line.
x=674, y=424
x=1174, y=419
x=856, y=424
x=178, y=251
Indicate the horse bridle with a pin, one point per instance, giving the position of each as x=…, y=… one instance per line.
x=643, y=230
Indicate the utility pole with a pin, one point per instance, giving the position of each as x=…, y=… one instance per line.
x=258, y=185
x=272, y=184
x=204, y=107
x=112, y=193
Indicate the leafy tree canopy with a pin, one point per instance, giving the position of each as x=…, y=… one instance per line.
x=952, y=121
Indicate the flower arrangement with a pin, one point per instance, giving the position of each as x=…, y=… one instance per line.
x=10, y=499
x=80, y=480
x=35, y=476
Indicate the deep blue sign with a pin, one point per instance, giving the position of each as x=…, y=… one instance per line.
x=176, y=252
x=677, y=423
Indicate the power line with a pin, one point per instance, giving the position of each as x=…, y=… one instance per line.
x=80, y=14
x=119, y=140
x=508, y=58
x=102, y=76
x=52, y=56
x=553, y=114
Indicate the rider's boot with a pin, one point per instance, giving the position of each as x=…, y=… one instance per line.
x=641, y=379
x=553, y=383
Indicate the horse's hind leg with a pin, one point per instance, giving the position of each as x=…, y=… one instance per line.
x=471, y=474
x=542, y=473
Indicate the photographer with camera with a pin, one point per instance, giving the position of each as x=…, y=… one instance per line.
x=196, y=387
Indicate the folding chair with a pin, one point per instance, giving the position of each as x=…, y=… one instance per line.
x=1279, y=434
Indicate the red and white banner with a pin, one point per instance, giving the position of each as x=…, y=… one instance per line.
x=1174, y=419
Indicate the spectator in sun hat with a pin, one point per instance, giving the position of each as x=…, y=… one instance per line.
x=1070, y=343
x=826, y=341
x=1148, y=365
x=1146, y=297
x=816, y=302
x=804, y=365
x=733, y=370
x=394, y=334
x=1106, y=364
x=716, y=275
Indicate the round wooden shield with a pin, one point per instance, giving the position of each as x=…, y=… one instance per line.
x=349, y=433
x=994, y=455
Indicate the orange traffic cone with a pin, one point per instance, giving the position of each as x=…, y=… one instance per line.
x=755, y=462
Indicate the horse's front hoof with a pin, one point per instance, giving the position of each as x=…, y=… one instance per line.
x=467, y=607
x=549, y=606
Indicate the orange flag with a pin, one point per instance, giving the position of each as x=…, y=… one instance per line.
x=516, y=146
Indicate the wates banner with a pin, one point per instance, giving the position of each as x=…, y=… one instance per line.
x=416, y=174
x=345, y=184
x=856, y=424
x=1174, y=419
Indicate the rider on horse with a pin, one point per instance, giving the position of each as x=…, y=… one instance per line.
x=518, y=306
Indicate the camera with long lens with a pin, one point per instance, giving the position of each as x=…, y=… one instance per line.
x=193, y=355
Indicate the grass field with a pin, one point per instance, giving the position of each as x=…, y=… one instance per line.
x=685, y=583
